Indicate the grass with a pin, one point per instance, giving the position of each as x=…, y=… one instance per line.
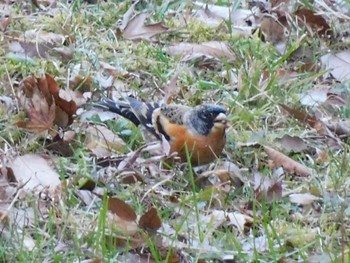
x=64, y=228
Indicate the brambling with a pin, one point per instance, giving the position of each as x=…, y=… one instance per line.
x=200, y=129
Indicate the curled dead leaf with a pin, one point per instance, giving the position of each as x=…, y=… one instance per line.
x=289, y=165
x=40, y=97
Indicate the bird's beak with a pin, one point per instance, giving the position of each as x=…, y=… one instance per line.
x=222, y=120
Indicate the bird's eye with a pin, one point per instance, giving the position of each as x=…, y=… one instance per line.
x=208, y=115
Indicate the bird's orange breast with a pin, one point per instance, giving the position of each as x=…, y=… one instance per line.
x=202, y=149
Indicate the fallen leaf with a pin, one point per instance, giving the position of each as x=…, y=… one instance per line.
x=35, y=43
x=130, y=177
x=242, y=20
x=337, y=64
x=316, y=22
x=223, y=177
x=207, y=17
x=34, y=173
x=314, y=123
x=40, y=97
x=46, y=37
x=288, y=164
x=102, y=141
x=303, y=199
x=259, y=244
x=273, y=30
x=121, y=209
x=292, y=143
x=61, y=146
x=6, y=103
x=150, y=221
x=315, y=97
x=241, y=221
x=122, y=219
x=39, y=105
x=267, y=188
x=4, y=23
x=222, y=12
x=136, y=28
x=127, y=16
x=189, y=51
x=114, y=71
x=171, y=89
x=65, y=103
x=6, y=189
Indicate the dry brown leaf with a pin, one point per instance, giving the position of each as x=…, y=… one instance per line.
x=35, y=43
x=171, y=89
x=114, y=71
x=208, y=18
x=216, y=218
x=314, y=123
x=267, y=188
x=128, y=16
x=136, y=28
x=316, y=22
x=292, y=143
x=39, y=121
x=130, y=177
x=150, y=221
x=129, y=159
x=288, y=164
x=242, y=20
x=4, y=23
x=6, y=189
x=41, y=36
x=121, y=209
x=34, y=173
x=189, y=51
x=67, y=105
x=122, y=220
x=41, y=99
x=102, y=141
x=241, y=221
x=273, y=30
x=62, y=146
x=39, y=105
x=30, y=49
x=223, y=177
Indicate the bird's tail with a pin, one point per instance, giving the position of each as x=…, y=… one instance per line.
x=120, y=107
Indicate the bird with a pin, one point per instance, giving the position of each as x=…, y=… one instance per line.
x=199, y=131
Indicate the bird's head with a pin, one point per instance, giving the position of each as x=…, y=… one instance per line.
x=207, y=116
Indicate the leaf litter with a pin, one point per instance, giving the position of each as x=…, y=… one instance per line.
x=268, y=63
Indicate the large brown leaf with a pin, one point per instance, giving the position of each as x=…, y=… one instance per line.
x=136, y=28
x=288, y=164
x=40, y=98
